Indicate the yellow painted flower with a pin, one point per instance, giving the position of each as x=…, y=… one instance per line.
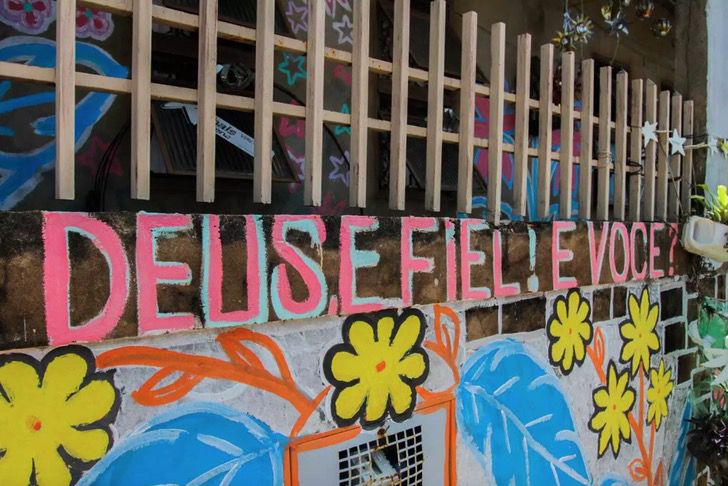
x=54, y=416
x=612, y=404
x=376, y=369
x=657, y=394
x=569, y=331
x=638, y=333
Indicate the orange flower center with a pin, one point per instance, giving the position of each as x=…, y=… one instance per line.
x=381, y=365
x=34, y=423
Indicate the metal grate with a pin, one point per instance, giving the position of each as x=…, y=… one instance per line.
x=395, y=459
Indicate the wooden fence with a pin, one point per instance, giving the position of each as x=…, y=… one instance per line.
x=660, y=184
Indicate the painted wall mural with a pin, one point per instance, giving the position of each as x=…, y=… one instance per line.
x=386, y=327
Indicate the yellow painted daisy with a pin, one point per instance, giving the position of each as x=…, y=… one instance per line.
x=54, y=416
x=377, y=367
x=638, y=333
x=569, y=331
x=657, y=394
x=612, y=404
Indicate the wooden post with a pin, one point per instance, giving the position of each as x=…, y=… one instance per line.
x=673, y=185
x=467, y=112
x=206, y=101
x=687, y=174
x=605, y=142
x=620, y=149
x=650, y=153
x=400, y=80
x=495, y=137
x=435, y=100
x=567, y=134
x=359, y=105
x=315, y=46
x=141, y=99
x=264, y=70
x=523, y=95
x=545, y=119
x=635, y=151
x=65, y=98
x=663, y=157
x=587, y=137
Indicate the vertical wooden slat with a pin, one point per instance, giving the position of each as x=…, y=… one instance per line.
x=687, y=169
x=141, y=72
x=523, y=94
x=567, y=134
x=673, y=185
x=467, y=112
x=650, y=153
x=206, y=101
x=635, y=151
x=663, y=158
x=264, y=70
x=605, y=142
x=587, y=137
x=315, y=46
x=545, y=119
x=400, y=79
x=620, y=147
x=359, y=105
x=435, y=99
x=65, y=98
x=495, y=135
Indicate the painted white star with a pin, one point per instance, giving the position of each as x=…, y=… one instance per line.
x=344, y=28
x=677, y=143
x=649, y=132
x=712, y=145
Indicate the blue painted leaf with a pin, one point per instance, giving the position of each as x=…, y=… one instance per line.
x=195, y=445
x=510, y=408
x=614, y=480
x=682, y=470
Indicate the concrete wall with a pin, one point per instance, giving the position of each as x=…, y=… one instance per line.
x=276, y=350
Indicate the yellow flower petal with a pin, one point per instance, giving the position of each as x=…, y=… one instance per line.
x=615, y=442
x=412, y=366
x=385, y=326
x=345, y=366
x=583, y=312
x=20, y=382
x=377, y=402
x=624, y=427
x=401, y=396
x=644, y=304
x=579, y=351
x=407, y=335
x=651, y=319
x=628, y=330
x=16, y=466
x=556, y=329
x=652, y=342
x=568, y=362
x=86, y=445
x=350, y=401
x=92, y=403
x=585, y=331
x=561, y=311
x=64, y=376
x=50, y=468
x=361, y=337
x=601, y=398
x=603, y=442
x=557, y=350
x=574, y=301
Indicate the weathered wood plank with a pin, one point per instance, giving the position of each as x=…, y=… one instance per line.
x=313, y=168
x=65, y=99
x=687, y=173
x=663, y=157
x=587, y=138
x=523, y=89
x=359, y=105
x=620, y=147
x=263, y=118
x=675, y=172
x=467, y=112
x=545, y=119
x=605, y=142
x=567, y=133
x=435, y=100
x=650, y=153
x=141, y=98
x=206, y=102
x=495, y=136
x=400, y=80
x=635, y=151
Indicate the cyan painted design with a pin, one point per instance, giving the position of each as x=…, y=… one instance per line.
x=682, y=470
x=21, y=171
x=513, y=413
x=195, y=444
